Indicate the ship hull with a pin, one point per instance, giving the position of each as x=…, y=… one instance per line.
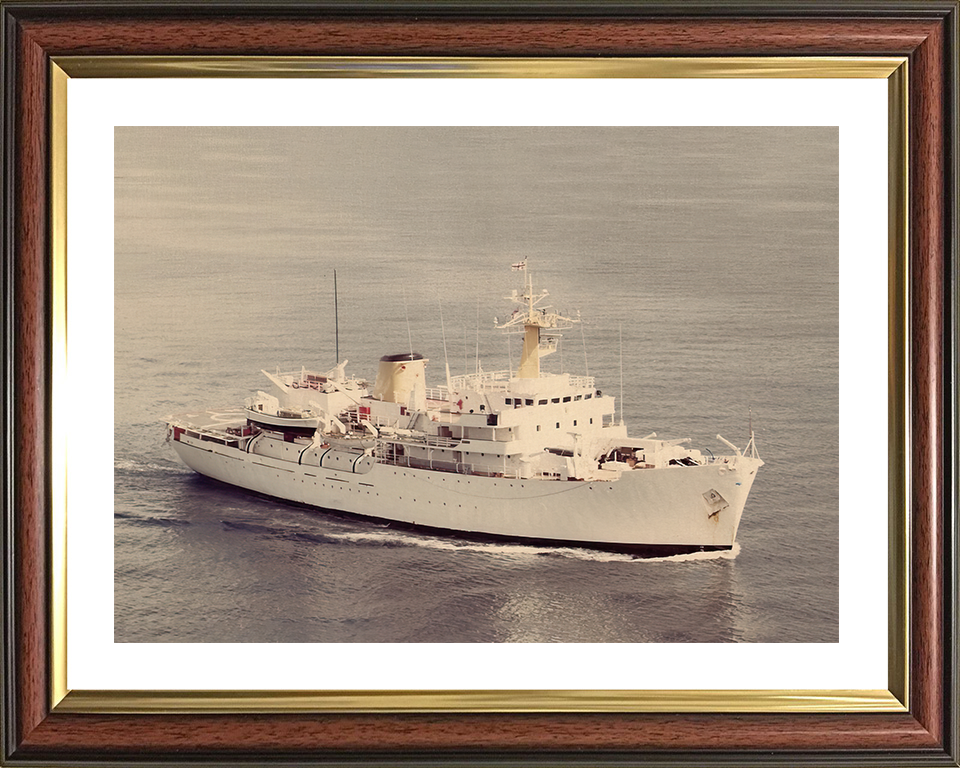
x=650, y=512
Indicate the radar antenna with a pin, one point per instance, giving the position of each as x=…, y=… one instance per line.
x=540, y=325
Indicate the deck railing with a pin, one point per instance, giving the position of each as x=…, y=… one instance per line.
x=482, y=380
x=500, y=380
x=438, y=394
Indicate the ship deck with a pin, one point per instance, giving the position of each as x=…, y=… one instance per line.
x=216, y=420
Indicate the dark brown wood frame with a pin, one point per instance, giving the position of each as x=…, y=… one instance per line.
x=925, y=32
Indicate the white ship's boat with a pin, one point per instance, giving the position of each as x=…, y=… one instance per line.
x=510, y=455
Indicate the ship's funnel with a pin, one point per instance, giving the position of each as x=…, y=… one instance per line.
x=402, y=379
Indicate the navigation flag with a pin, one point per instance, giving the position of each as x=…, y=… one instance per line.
x=519, y=266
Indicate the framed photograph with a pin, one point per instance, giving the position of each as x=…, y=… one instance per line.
x=735, y=224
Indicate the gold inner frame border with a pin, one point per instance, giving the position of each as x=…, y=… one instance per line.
x=895, y=699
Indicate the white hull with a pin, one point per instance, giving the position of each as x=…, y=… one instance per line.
x=648, y=511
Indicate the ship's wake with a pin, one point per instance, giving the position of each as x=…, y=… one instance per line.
x=139, y=467
x=386, y=537
x=727, y=554
x=150, y=520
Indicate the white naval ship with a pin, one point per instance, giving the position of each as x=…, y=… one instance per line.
x=518, y=455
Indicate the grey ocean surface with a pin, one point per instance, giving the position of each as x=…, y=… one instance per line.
x=713, y=250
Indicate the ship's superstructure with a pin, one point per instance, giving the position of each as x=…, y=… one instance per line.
x=519, y=455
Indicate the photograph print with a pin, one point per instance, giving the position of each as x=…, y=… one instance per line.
x=485, y=385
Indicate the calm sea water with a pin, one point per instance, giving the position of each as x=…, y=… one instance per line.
x=713, y=252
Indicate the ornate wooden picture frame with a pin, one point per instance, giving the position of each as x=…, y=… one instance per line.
x=915, y=721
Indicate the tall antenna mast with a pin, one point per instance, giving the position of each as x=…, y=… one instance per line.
x=583, y=337
x=478, y=333
x=336, y=316
x=443, y=334
x=407, y=315
x=621, y=374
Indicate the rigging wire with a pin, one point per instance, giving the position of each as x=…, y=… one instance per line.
x=407, y=314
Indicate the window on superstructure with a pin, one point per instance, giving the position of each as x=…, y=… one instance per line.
x=508, y=401
x=529, y=402
x=591, y=420
x=588, y=396
x=566, y=399
x=542, y=402
x=555, y=400
x=574, y=422
x=558, y=425
x=577, y=397
x=538, y=427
